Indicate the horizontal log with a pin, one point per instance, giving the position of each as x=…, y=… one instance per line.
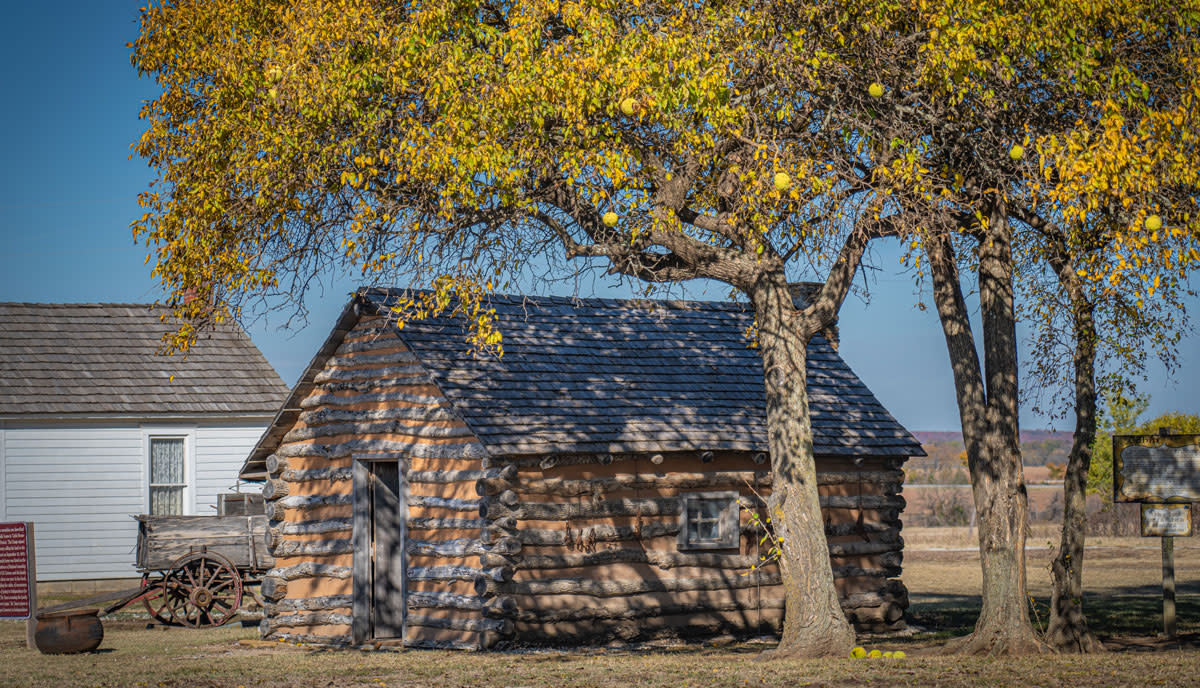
x=330, y=473
x=498, y=574
x=412, y=379
x=562, y=487
x=310, y=569
x=276, y=464
x=312, y=619
x=461, y=548
x=553, y=511
x=457, y=623
x=414, y=449
x=640, y=611
x=385, y=342
x=426, y=523
x=269, y=633
x=661, y=559
x=444, y=503
x=613, y=588
x=274, y=489
x=311, y=604
x=276, y=509
x=320, y=548
x=856, y=571
x=325, y=416
x=496, y=559
x=386, y=427
x=651, y=506
x=400, y=357
x=341, y=374
x=847, y=549
x=444, y=477
x=328, y=525
x=418, y=599
x=273, y=588
x=882, y=614
x=327, y=399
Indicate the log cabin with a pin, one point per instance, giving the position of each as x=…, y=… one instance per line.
x=595, y=483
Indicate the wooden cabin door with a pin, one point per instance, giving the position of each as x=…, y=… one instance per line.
x=380, y=560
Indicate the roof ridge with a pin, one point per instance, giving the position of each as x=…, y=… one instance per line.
x=679, y=304
x=96, y=304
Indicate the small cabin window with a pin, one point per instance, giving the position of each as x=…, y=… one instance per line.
x=167, y=482
x=708, y=520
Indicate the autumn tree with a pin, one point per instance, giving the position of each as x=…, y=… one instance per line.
x=1071, y=150
x=468, y=145
x=464, y=145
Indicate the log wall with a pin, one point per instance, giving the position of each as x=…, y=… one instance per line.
x=374, y=400
x=598, y=558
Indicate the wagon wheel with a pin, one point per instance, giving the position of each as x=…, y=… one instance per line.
x=159, y=599
x=203, y=590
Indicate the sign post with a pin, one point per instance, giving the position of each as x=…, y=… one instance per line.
x=1163, y=473
x=18, y=576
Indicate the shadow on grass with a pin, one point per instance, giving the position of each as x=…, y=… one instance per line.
x=1119, y=616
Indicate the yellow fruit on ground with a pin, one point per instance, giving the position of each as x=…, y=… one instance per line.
x=898, y=654
x=876, y=90
x=1154, y=223
x=858, y=652
x=610, y=219
x=1016, y=152
x=874, y=654
x=888, y=654
x=782, y=181
x=628, y=106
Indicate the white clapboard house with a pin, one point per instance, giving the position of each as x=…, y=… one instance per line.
x=96, y=426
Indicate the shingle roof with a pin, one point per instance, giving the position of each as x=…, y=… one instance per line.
x=102, y=359
x=601, y=375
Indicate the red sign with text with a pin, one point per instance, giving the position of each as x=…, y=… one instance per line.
x=14, y=571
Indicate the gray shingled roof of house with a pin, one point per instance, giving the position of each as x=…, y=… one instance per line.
x=73, y=359
x=602, y=375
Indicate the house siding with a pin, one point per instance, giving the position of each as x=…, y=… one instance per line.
x=81, y=483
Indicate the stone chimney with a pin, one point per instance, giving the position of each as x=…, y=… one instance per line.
x=802, y=294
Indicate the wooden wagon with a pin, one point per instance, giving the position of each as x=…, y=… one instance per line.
x=196, y=568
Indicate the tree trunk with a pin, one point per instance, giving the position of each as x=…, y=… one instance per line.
x=1068, y=629
x=814, y=624
x=988, y=407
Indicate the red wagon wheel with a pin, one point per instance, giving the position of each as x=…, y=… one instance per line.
x=158, y=599
x=203, y=590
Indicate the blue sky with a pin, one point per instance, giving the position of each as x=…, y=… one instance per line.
x=68, y=193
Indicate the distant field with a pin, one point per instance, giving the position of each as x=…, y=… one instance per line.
x=1122, y=601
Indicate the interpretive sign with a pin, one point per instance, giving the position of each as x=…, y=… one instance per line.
x=16, y=599
x=1166, y=520
x=1156, y=468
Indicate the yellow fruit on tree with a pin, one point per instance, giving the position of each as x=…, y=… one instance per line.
x=1016, y=152
x=876, y=90
x=858, y=652
x=628, y=106
x=1154, y=223
x=782, y=181
x=609, y=219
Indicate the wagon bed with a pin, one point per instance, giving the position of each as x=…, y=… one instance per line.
x=242, y=540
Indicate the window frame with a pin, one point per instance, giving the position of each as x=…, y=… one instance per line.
x=188, y=435
x=729, y=535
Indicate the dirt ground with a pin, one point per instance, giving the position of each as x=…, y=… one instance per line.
x=941, y=570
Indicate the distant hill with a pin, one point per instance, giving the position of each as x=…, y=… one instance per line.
x=1038, y=447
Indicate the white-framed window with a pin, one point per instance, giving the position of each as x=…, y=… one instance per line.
x=168, y=475
x=708, y=520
